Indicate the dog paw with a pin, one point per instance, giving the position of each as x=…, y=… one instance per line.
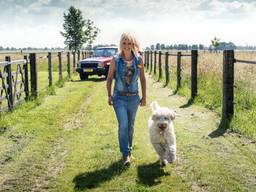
x=163, y=163
x=171, y=158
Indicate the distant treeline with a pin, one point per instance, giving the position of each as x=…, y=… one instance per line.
x=51, y=48
x=158, y=46
x=29, y=48
x=221, y=46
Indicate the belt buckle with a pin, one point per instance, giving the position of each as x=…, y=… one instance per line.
x=131, y=94
x=127, y=94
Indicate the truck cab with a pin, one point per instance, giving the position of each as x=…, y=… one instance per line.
x=98, y=64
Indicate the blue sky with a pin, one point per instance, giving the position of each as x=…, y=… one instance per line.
x=37, y=23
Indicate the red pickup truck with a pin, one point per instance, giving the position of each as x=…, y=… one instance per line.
x=98, y=64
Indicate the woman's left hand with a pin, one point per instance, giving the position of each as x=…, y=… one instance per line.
x=143, y=102
x=110, y=100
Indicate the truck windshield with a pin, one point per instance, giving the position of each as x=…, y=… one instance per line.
x=105, y=52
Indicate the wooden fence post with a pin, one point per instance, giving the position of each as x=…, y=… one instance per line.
x=228, y=84
x=147, y=60
x=160, y=64
x=49, y=68
x=68, y=65
x=178, y=69
x=167, y=78
x=33, y=74
x=26, y=85
x=60, y=66
x=9, y=83
x=74, y=62
x=155, y=62
x=194, y=55
x=151, y=62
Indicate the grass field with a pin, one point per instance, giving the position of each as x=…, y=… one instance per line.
x=210, y=86
x=68, y=142
x=209, y=83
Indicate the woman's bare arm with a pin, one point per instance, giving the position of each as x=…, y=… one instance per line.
x=143, y=84
x=110, y=77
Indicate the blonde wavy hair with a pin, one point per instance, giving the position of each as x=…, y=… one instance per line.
x=133, y=40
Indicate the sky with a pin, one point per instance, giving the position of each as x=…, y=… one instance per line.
x=37, y=23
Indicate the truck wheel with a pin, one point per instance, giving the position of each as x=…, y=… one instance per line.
x=83, y=76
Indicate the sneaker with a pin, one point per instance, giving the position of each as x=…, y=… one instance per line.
x=127, y=161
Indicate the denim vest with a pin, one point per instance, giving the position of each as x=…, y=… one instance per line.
x=120, y=85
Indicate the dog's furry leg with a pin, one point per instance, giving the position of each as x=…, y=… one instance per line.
x=171, y=154
x=160, y=149
x=171, y=148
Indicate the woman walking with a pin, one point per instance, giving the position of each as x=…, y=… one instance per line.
x=126, y=69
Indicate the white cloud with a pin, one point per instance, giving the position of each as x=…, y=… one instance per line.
x=173, y=21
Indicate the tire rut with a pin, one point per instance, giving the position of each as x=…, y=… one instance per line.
x=41, y=176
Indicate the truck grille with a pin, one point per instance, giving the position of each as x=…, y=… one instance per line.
x=89, y=65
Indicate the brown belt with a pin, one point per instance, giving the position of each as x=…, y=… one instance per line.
x=127, y=93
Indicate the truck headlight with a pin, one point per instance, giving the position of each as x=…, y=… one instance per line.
x=100, y=64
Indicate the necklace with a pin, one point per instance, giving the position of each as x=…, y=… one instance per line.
x=128, y=62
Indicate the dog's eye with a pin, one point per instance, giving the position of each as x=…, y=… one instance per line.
x=166, y=118
x=157, y=118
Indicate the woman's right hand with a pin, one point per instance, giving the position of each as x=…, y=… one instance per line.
x=143, y=102
x=110, y=100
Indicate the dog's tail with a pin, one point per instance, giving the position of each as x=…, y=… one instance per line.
x=154, y=106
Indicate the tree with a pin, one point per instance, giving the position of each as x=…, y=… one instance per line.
x=162, y=46
x=215, y=43
x=77, y=30
x=201, y=46
x=194, y=47
x=158, y=46
x=225, y=46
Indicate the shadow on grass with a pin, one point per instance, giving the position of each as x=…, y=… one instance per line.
x=190, y=102
x=166, y=84
x=3, y=129
x=159, y=79
x=94, y=79
x=149, y=174
x=90, y=180
x=173, y=93
x=222, y=128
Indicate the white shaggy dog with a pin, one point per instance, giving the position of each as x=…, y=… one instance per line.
x=161, y=132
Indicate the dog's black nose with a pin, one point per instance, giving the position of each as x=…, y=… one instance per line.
x=162, y=126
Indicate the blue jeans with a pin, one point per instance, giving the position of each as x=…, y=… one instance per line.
x=125, y=108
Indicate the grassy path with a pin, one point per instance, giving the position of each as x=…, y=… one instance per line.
x=68, y=142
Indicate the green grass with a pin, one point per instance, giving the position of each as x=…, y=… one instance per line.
x=210, y=96
x=67, y=141
x=244, y=119
x=34, y=129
